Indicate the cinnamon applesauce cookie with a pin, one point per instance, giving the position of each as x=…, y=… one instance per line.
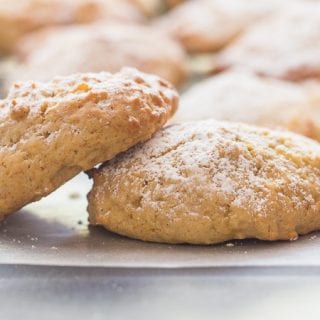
x=285, y=46
x=95, y=48
x=207, y=182
x=208, y=25
x=50, y=132
x=246, y=97
x=19, y=17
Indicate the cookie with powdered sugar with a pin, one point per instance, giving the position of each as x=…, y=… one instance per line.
x=246, y=97
x=207, y=182
x=20, y=17
x=209, y=25
x=94, y=48
x=51, y=131
x=285, y=46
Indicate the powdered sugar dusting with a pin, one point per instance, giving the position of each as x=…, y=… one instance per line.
x=209, y=182
x=236, y=165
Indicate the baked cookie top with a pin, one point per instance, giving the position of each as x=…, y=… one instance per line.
x=284, y=46
x=49, y=132
x=95, y=48
x=208, y=182
x=246, y=97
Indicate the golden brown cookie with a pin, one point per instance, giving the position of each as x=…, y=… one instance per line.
x=18, y=17
x=285, y=46
x=207, y=182
x=245, y=97
x=95, y=48
x=207, y=25
x=51, y=131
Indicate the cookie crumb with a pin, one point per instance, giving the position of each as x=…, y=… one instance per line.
x=313, y=237
x=74, y=195
x=229, y=244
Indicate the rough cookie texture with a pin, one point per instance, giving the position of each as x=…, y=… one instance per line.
x=245, y=97
x=95, y=48
x=49, y=132
x=207, y=182
x=285, y=46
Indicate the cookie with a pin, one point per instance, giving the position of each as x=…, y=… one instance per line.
x=95, y=48
x=245, y=97
x=285, y=46
x=52, y=131
x=209, y=25
x=207, y=182
x=18, y=17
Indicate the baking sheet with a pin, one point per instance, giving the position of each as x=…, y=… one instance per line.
x=60, y=293
x=54, y=231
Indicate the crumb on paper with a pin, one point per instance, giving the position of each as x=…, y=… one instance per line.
x=74, y=195
x=229, y=244
x=313, y=237
x=80, y=222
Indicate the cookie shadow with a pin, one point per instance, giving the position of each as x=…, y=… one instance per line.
x=27, y=228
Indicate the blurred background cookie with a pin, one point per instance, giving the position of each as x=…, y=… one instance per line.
x=209, y=25
x=18, y=17
x=105, y=47
x=286, y=45
x=246, y=97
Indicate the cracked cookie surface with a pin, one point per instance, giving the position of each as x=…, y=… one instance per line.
x=208, y=182
x=51, y=131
